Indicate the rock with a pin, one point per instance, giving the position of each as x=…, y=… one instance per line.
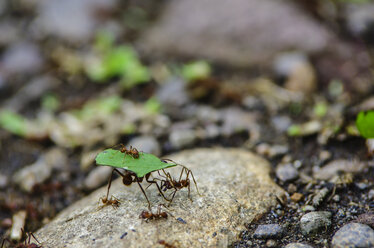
x=97, y=177
x=286, y=172
x=268, y=231
x=360, y=19
x=173, y=94
x=313, y=222
x=296, y=197
x=271, y=151
x=3, y=181
x=353, y=235
x=281, y=123
x=70, y=20
x=22, y=58
x=146, y=144
x=18, y=222
x=367, y=219
x=182, y=137
x=371, y=194
x=337, y=166
x=239, y=32
x=223, y=208
x=298, y=245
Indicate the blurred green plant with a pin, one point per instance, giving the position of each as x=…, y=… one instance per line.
x=320, y=109
x=153, y=105
x=116, y=61
x=365, y=124
x=101, y=106
x=50, y=102
x=196, y=70
x=13, y=122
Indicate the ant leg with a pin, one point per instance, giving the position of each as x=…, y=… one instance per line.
x=109, y=184
x=195, y=182
x=172, y=198
x=149, y=204
x=158, y=187
x=34, y=237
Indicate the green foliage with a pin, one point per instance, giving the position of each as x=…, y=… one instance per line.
x=13, y=123
x=320, y=109
x=116, y=61
x=50, y=102
x=196, y=70
x=294, y=130
x=101, y=106
x=141, y=166
x=365, y=124
x=153, y=105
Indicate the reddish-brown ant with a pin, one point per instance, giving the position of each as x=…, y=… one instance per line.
x=165, y=244
x=171, y=183
x=26, y=244
x=148, y=215
x=113, y=201
x=130, y=177
x=133, y=152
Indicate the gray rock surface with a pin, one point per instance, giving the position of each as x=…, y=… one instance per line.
x=313, y=222
x=340, y=165
x=235, y=187
x=353, y=235
x=238, y=32
x=286, y=172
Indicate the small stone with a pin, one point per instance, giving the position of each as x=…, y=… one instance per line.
x=336, y=198
x=309, y=208
x=337, y=166
x=268, y=231
x=18, y=221
x=324, y=155
x=296, y=197
x=291, y=188
x=362, y=186
x=371, y=194
x=286, y=172
x=313, y=222
x=271, y=243
x=182, y=137
x=353, y=235
x=3, y=181
x=298, y=245
x=367, y=219
x=97, y=177
x=146, y=144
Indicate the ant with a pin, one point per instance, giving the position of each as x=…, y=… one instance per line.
x=165, y=244
x=127, y=179
x=171, y=183
x=133, y=152
x=148, y=215
x=113, y=201
x=26, y=244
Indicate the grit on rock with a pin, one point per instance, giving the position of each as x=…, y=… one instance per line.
x=235, y=187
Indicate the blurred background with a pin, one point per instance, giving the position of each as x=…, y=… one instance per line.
x=283, y=78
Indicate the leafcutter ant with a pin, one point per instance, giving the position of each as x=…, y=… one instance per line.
x=26, y=244
x=133, y=152
x=148, y=215
x=166, y=244
x=171, y=183
x=113, y=201
x=130, y=177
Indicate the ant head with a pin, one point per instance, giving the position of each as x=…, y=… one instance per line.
x=127, y=179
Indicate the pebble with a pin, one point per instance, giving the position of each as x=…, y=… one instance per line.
x=353, y=235
x=22, y=58
x=286, y=172
x=298, y=245
x=97, y=177
x=268, y=231
x=337, y=166
x=271, y=243
x=18, y=221
x=173, y=94
x=313, y=222
x=146, y=144
x=371, y=194
x=281, y=123
x=367, y=219
x=3, y=181
x=296, y=197
x=182, y=137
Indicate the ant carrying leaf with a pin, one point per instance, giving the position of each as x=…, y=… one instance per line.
x=170, y=183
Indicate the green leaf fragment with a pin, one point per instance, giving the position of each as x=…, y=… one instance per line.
x=365, y=124
x=196, y=70
x=13, y=122
x=141, y=166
